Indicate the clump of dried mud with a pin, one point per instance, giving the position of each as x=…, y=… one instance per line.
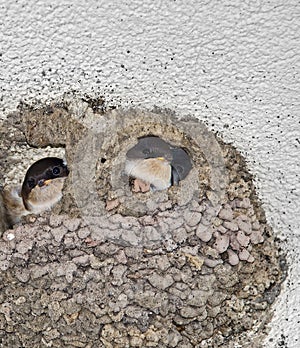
x=193, y=266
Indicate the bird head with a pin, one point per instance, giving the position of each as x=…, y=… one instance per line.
x=181, y=164
x=42, y=174
x=150, y=147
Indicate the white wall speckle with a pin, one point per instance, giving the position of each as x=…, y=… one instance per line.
x=233, y=64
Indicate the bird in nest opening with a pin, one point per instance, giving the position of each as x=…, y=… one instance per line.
x=158, y=163
x=40, y=191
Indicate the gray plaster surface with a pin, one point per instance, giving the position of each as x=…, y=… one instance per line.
x=233, y=65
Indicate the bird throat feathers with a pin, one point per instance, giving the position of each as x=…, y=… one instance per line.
x=155, y=171
x=44, y=197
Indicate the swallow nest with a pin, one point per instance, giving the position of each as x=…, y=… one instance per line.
x=195, y=265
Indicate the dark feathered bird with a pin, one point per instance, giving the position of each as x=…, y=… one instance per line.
x=41, y=189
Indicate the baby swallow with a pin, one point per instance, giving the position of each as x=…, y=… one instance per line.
x=41, y=189
x=181, y=164
x=158, y=163
x=43, y=183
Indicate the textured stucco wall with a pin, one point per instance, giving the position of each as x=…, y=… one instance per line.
x=232, y=64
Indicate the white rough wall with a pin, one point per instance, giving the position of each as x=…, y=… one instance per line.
x=233, y=64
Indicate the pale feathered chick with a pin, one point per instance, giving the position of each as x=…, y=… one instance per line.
x=157, y=162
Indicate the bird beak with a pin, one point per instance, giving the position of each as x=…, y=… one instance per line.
x=175, y=178
x=41, y=182
x=44, y=182
x=160, y=158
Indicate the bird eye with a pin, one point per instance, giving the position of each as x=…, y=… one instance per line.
x=56, y=171
x=179, y=169
x=146, y=152
x=31, y=183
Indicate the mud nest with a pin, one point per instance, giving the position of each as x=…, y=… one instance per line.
x=192, y=266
